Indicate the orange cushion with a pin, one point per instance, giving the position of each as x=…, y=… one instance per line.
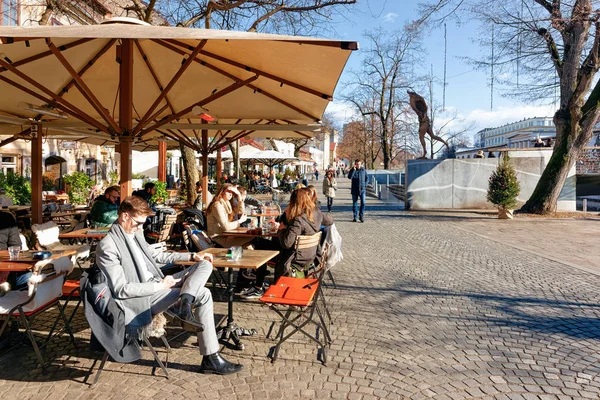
x=291, y=291
x=69, y=286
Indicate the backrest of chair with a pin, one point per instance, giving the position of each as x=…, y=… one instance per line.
x=307, y=241
x=319, y=271
x=47, y=280
x=167, y=226
x=46, y=233
x=199, y=240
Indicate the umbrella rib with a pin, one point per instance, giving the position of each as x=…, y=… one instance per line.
x=152, y=72
x=83, y=88
x=233, y=77
x=62, y=107
x=170, y=85
x=87, y=66
x=257, y=71
x=46, y=54
x=212, y=97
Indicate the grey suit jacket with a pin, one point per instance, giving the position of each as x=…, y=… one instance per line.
x=108, y=258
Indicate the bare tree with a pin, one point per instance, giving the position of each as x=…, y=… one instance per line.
x=282, y=16
x=387, y=68
x=360, y=141
x=553, y=47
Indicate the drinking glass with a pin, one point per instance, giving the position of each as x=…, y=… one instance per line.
x=13, y=252
x=236, y=253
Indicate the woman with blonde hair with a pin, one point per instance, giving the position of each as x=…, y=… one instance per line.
x=221, y=217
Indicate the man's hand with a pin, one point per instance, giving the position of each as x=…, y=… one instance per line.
x=203, y=256
x=243, y=218
x=168, y=281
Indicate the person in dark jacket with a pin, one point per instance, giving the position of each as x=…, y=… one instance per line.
x=304, y=218
x=9, y=236
x=105, y=210
x=146, y=193
x=358, y=175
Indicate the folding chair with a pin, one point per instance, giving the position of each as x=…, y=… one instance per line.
x=44, y=292
x=298, y=302
x=165, y=229
x=160, y=332
x=70, y=288
x=47, y=236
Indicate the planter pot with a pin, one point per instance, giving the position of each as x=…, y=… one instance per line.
x=504, y=213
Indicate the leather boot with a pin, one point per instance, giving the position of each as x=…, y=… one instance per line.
x=182, y=315
x=215, y=364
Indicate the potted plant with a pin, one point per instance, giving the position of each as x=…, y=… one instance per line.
x=79, y=187
x=17, y=187
x=504, y=188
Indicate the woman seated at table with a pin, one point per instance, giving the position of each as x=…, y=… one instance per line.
x=303, y=218
x=221, y=216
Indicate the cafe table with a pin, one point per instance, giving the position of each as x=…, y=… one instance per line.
x=26, y=262
x=85, y=233
x=245, y=232
x=250, y=259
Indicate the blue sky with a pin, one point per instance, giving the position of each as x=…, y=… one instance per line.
x=467, y=91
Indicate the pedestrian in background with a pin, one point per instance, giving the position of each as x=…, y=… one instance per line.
x=329, y=188
x=358, y=188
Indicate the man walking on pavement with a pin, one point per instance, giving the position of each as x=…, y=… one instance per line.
x=358, y=175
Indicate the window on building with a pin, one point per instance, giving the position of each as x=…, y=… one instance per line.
x=9, y=10
x=9, y=164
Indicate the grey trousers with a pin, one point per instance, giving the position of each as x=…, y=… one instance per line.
x=193, y=282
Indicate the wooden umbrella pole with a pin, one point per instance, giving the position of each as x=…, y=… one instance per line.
x=204, y=166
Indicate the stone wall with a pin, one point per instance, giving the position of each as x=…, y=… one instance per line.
x=463, y=183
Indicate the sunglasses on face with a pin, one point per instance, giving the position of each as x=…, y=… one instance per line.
x=135, y=224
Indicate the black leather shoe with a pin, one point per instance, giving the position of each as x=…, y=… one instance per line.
x=354, y=220
x=181, y=314
x=362, y=220
x=215, y=364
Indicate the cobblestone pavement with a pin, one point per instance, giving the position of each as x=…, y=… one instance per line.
x=444, y=306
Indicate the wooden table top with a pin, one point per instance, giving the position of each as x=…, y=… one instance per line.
x=243, y=232
x=249, y=259
x=26, y=262
x=85, y=233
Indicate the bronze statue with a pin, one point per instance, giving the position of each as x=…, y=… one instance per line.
x=419, y=106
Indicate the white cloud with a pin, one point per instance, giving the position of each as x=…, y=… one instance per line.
x=504, y=115
x=341, y=112
x=390, y=17
x=479, y=119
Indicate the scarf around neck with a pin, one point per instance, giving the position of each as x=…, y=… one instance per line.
x=227, y=206
x=137, y=309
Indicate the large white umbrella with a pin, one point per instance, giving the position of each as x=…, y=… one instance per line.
x=132, y=82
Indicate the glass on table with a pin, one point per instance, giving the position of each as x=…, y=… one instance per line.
x=13, y=252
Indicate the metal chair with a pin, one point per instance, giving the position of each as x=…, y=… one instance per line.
x=164, y=232
x=44, y=292
x=299, y=302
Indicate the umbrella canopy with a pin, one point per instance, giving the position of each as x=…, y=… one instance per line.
x=244, y=82
x=269, y=157
x=132, y=82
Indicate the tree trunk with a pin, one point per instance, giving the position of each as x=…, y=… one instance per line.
x=545, y=195
x=191, y=172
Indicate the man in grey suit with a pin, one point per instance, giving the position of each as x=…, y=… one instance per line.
x=142, y=291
